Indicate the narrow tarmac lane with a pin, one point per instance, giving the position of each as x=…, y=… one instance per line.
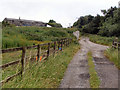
x=77, y=74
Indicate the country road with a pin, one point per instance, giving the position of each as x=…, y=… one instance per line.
x=77, y=73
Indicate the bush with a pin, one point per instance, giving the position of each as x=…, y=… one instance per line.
x=55, y=25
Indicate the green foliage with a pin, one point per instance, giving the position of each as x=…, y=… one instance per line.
x=101, y=40
x=83, y=21
x=55, y=25
x=52, y=21
x=107, y=25
x=24, y=36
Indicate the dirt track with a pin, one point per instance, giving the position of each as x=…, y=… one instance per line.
x=77, y=74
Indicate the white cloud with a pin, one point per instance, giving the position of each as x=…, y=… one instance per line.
x=62, y=11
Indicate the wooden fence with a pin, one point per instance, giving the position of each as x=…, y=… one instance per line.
x=52, y=47
x=116, y=45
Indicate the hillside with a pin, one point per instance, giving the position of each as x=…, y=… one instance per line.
x=25, y=36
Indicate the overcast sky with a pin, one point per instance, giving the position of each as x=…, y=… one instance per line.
x=62, y=11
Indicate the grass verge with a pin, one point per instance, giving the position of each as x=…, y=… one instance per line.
x=113, y=56
x=46, y=74
x=94, y=79
x=101, y=40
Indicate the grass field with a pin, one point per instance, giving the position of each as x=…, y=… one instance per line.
x=25, y=36
x=47, y=74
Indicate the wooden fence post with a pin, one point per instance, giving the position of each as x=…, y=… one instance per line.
x=23, y=60
x=38, y=53
x=61, y=44
x=48, y=52
x=54, y=48
x=58, y=45
x=118, y=46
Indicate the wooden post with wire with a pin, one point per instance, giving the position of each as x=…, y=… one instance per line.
x=48, y=52
x=23, y=60
x=61, y=44
x=54, y=48
x=38, y=53
x=58, y=45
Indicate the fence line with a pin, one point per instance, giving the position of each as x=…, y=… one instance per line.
x=116, y=45
x=57, y=46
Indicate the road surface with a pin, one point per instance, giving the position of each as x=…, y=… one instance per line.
x=77, y=73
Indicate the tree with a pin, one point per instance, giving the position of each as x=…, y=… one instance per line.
x=54, y=24
x=52, y=21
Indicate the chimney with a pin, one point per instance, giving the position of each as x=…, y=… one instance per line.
x=19, y=18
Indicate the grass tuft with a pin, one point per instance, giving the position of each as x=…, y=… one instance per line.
x=94, y=79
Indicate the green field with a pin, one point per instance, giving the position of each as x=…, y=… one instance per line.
x=25, y=36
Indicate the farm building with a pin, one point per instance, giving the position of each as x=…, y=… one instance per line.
x=23, y=22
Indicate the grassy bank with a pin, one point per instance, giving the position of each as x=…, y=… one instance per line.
x=47, y=74
x=94, y=79
x=113, y=56
x=25, y=36
x=101, y=40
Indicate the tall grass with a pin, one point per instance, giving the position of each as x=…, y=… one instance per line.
x=101, y=40
x=47, y=74
x=24, y=36
x=113, y=56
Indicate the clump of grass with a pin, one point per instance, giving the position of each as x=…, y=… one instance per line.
x=47, y=74
x=94, y=79
x=113, y=56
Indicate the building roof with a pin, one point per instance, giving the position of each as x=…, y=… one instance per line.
x=23, y=20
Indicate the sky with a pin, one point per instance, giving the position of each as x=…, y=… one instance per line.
x=65, y=12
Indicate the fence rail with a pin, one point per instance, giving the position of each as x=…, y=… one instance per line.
x=116, y=45
x=52, y=48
